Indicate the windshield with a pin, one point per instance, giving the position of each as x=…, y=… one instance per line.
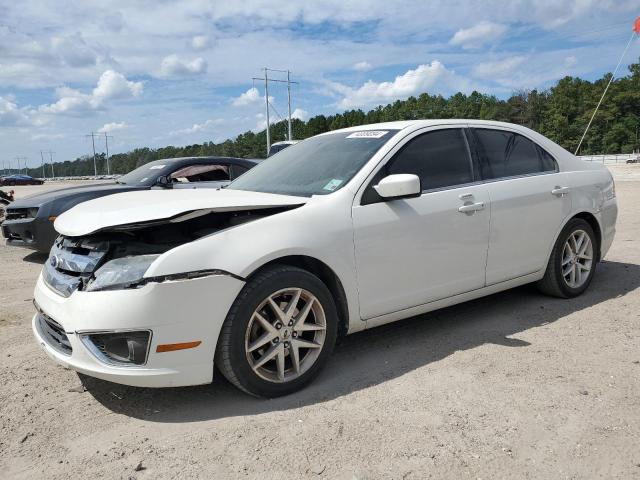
x=316, y=166
x=147, y=174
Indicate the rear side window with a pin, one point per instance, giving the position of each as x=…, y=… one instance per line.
x=506, y=154
x=439, y=158
x=548, y=162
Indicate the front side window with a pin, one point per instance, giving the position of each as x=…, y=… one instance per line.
x=147, y=174
x=316, y=166
x=201, y=173
x=440, y=158
x=507, y=154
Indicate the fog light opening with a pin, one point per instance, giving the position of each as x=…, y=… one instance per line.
x=120, y=348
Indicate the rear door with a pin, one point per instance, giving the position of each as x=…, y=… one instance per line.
x=412, y=251
x=529, y=201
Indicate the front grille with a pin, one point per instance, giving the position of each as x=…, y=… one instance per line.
x=17, y=213
x=71, y=262
x=53, y=333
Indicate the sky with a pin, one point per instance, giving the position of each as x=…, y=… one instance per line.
x=156, y=72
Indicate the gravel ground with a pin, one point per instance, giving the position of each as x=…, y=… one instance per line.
x=515, y=385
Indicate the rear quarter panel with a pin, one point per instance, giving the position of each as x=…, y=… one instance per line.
x=592, y=192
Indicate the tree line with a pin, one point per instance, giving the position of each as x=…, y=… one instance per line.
x=560, y=113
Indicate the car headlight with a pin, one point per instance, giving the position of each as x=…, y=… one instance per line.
x=32, y=212
x=120, y=273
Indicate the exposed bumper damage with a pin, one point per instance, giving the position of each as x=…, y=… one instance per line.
x=123, y=331
x=181, y=311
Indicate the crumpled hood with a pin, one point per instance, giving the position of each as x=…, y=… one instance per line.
x=147, y=206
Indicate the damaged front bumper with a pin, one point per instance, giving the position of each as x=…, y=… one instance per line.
x=173, y=311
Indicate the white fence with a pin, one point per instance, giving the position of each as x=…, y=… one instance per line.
x=615, y=158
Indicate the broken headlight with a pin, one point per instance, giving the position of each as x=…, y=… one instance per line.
x=120, y=273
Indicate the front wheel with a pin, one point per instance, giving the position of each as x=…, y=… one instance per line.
x=279, y=332
x=573, y=261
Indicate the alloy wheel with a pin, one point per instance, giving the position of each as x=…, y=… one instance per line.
x=577, y=258
x=285, y=335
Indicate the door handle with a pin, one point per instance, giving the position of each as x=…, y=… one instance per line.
x=560, y=191
x=472, y=207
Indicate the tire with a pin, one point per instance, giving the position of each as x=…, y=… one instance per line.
x=556, y=284
x=241, y=332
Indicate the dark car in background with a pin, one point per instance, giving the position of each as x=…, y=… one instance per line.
x=29, y=220
x=19, y=179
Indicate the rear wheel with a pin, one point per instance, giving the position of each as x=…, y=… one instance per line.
x=279, y=332
x=573, y=261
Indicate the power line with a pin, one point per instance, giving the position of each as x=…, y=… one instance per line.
x=44, y=175
x=633, y=34
x=267, y=103
x=106, y=144
x=25, y=164
x=93, y=143
x=53, y=174
x=42, y=152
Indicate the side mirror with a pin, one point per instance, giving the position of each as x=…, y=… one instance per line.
x=399, y=186
x=164, y=181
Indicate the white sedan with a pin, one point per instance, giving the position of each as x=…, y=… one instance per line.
x=341, y=232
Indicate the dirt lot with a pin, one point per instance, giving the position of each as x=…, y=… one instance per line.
x=516, y=385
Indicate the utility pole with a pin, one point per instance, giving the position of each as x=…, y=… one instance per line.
x=266, y=99
x=93, y=143
x=266, y=104
x=106, y=144
x=50, y=159
x=53, y=175
x=44, y=175
x=289, y=101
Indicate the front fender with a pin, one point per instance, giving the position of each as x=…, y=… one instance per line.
x=321, y=230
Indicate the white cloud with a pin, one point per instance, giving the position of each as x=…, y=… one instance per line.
x=47, y=136
x=112, y=127
x=114, y=85
x=430, y=78
x=200, y=42
x=478, y=35
x=362, y=66
x=11, y=115
x=197, y=127
x=499, y=68
x=300, y=114
x=74, y=51
x=250, y=97
x=111, y=85
x=262, y=121
x=173, y=66
x=570, y=61
x=247, y=98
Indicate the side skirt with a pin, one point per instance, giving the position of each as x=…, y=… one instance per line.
x=447, y=302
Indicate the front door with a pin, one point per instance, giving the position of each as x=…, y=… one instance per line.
x=416, y=250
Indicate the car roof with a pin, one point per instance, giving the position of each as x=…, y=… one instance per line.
x=403, y=124
x=207, y=159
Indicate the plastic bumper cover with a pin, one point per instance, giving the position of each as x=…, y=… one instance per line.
x=175, y=312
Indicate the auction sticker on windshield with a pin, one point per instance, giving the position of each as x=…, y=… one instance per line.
x=368, y=134
x=332, y=184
